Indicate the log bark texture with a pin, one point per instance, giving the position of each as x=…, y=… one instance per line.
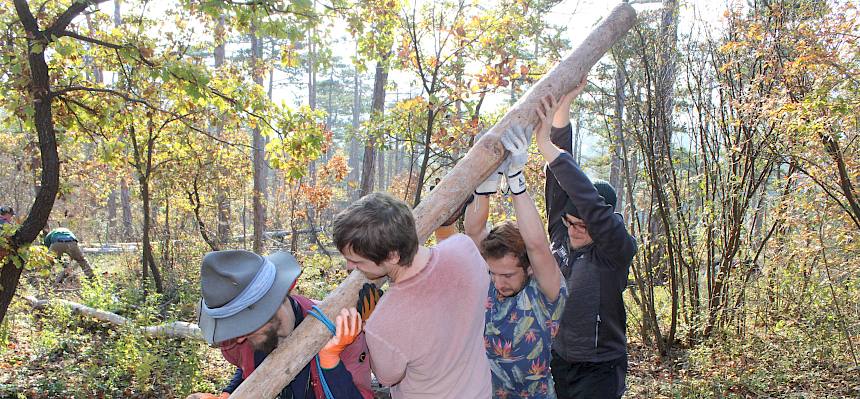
x=482, y=159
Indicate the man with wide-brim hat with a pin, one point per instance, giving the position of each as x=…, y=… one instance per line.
x=246, y=310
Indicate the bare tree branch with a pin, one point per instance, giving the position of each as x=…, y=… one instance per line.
x=67, y=16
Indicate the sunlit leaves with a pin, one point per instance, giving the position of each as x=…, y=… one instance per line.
x=300, y=138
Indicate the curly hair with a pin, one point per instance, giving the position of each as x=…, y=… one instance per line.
x=504, y=239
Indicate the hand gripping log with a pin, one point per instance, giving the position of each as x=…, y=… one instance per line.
x=483, y=158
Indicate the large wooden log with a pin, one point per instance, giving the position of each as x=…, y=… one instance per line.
x=482, y=159
x=486, y=155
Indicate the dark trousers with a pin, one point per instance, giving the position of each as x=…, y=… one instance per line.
x=586, y=380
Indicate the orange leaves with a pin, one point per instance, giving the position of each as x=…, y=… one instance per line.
x=336, y=169
x=524, y=70
x=319, y=196
x=500, y=74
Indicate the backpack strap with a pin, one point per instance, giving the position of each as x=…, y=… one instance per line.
x=304, y=305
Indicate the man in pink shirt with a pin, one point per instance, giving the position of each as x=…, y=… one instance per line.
x=426, y=334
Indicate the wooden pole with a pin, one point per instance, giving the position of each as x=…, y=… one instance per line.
x=282, y=365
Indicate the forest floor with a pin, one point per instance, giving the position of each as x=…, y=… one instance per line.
x=52, y=353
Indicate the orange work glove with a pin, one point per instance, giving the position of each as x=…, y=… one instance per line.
x=347, y=327
x=368, y=297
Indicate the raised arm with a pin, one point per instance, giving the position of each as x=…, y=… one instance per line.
x=516, y=140
x=605, y=228
x=561, y=117
x=546, y=110
x=551, y=145
x=560, y=135
x=475, y=219
x=544, y=267
x=477, y=212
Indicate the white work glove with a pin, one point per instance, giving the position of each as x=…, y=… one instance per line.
x=491, y=184
x=516, y=140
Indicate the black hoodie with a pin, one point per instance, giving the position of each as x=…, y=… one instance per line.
x=593, y=324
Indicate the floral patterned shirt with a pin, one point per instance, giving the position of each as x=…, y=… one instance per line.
x=518, y=338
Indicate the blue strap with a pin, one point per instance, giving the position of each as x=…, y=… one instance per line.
x=317, y=312
x=325, y=388
x=319, y=315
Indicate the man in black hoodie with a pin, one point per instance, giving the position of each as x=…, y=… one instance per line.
x=594, y=250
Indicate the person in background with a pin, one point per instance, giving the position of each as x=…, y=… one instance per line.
x=62, y=241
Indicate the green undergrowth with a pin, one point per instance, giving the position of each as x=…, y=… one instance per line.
x=53, y=353
x=800, y=351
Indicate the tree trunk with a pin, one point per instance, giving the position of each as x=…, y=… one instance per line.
x=312, y=90
x=43, y=119
x=425, y=157
x=666, y=91
x=281, y=366
x=144, y=170
x=616, y=162
x=176, y=329
x=125, y=202
x=391, y=171
x=376, y=110
x=222, y=197
x=117, y=16
x=380, y=165
x=110, y=229
x=258, y=151
x=353, y=144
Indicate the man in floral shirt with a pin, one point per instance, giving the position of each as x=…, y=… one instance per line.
x=527, y=294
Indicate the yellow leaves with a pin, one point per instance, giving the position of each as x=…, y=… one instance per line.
x=415, y=104
x=289, y=56
x=755, y=32
x=731, y=46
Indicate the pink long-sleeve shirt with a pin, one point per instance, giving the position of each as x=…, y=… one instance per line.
x=426, y=335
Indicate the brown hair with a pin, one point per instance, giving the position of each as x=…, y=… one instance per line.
x=503, y=239
x=376, y=225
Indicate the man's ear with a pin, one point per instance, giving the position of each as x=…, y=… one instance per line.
x=393, y=257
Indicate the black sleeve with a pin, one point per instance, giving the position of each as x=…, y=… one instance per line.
x=340, y=382
x=606, y=228
x=555, y=196
x=234, y=382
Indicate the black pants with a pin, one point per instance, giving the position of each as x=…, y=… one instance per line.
x=586, y=380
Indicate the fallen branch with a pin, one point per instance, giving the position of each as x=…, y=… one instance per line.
x=177, y=329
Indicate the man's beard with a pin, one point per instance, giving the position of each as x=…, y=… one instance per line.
x=271, y=341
